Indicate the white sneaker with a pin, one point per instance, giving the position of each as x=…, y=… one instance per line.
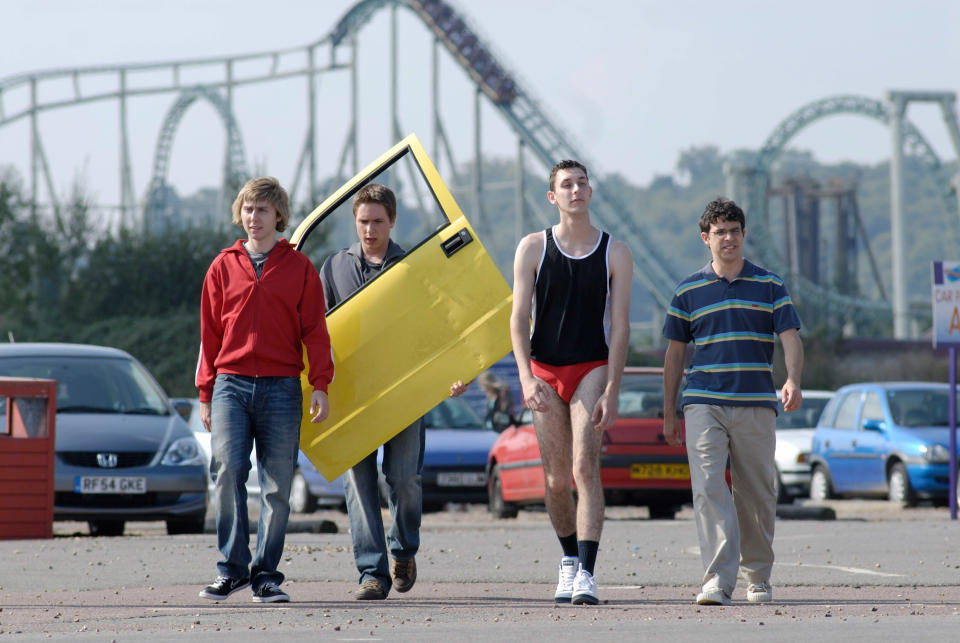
x=759, y=593
x=584, y=588
x=568, y=570
x=715, y=596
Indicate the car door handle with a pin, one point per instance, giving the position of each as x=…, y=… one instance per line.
x=456, y=242
x=854, y=443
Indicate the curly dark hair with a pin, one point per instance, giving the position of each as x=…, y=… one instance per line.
x=721, y=209
x=566, y=165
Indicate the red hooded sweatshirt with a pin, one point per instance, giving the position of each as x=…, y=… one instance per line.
x=255, y=327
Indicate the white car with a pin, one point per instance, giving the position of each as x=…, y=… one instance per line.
x=794, y=440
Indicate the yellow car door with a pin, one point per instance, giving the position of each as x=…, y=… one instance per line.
x=438, y=315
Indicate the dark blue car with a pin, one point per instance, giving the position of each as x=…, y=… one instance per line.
x=884, y=439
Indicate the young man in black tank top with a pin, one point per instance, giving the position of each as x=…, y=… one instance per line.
x=571, y=362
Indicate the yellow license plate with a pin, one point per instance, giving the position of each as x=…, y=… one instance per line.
x=656, y=470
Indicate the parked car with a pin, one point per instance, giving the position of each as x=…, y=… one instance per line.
x=884, y=439
x=638, y=467
x=121, y=452
x=309, y=489
x=455, y=455
x=188, y=408
x=794, y=440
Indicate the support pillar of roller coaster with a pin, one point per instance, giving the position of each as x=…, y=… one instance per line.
x=312, y=123
x=519, y=223
x=435, y=98
x=901, y=319
x=477, y=160
x=127, y=199
x=394, y=117
x=354, y=104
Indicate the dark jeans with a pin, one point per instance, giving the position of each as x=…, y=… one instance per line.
x=265, y=411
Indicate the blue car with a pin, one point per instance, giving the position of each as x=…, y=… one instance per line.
x=884, y=439
x=454, y=456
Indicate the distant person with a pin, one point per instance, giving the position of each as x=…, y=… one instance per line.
x=262, y=302
x=384, y=562
x=570, y=363
x=732, y=310
x=499, y=413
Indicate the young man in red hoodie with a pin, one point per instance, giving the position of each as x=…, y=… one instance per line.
x=262, y=302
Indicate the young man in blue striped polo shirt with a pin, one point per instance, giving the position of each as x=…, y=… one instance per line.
x=732, y=310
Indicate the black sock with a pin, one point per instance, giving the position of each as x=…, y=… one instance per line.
x=587, y=550
x=569, y=544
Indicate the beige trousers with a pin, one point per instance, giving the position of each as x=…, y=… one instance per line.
x=735, y=530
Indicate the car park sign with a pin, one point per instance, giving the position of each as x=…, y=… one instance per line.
x=946, y=333
x=946, y=303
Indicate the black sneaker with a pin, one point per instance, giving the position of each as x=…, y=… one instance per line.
x=223, y=587
x=270, y=593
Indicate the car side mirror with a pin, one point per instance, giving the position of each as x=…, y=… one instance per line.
x=874, y=425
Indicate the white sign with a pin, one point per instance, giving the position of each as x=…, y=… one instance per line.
x=946, y=303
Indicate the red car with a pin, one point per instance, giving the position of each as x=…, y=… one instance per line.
x=638, y=467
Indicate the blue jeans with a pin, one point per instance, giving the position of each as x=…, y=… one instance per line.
x=265, y=411
x=402, y=465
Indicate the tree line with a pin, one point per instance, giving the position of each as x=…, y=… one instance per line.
x=69, y=280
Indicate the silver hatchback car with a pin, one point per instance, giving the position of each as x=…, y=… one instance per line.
x=122, y=453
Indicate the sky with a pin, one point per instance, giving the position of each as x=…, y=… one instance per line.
x=633, y=82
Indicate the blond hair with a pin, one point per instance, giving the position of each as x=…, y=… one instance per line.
x=264, y=188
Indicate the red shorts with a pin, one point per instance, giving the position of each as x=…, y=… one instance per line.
x=564, y=379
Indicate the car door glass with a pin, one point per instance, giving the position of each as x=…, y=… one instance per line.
x=419, y=215
x=872, y=409
x=847, y=412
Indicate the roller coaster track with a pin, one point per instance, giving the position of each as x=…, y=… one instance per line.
x=521, y=111
x=527, y=119
x=762, y=245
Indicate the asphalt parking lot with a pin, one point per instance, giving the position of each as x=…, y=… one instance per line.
x=873, y=572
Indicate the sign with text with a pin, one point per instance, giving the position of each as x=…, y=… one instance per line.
x=946, y=303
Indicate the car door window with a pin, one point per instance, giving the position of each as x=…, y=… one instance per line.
x=419, y=215
x=847, y=412
x=872, y=409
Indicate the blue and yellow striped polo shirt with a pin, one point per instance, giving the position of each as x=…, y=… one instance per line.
x=733, y=325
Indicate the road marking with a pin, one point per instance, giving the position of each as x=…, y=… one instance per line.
x=695, y=551
x=843, y=568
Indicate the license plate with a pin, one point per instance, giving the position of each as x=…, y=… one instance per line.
x=110, y=484
x=664, y=471
x=461, y=479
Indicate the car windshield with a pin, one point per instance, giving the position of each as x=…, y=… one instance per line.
x=93, y=384
x=452, y=414
x=919, y=407
x=806, y=417
x=641, y=396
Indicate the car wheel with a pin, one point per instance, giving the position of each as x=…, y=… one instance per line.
x=783, y=498
x=900, y=491
x=191, y=525
x=496, y=504
x=821, y=488
x=301, y=500
x=662, y=512
x=105, y=527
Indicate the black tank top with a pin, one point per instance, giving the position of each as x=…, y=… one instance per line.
x=571, y=319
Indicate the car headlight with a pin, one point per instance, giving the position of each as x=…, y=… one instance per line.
x=183, y=451
x=934, y=453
